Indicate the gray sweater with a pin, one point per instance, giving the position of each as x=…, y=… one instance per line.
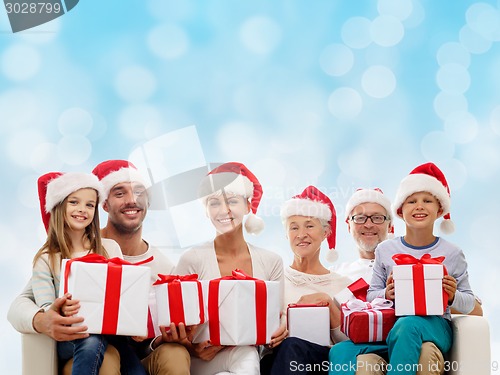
x=454, y=261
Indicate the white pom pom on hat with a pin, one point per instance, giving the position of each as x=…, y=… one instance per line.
x=313, y=203
x=427, y=177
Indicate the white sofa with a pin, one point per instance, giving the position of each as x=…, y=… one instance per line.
x=470, y=354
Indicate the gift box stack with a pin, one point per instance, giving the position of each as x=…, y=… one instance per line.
x=113, y=293
x=240, y=310
x=418, y=285
x=309, y=322
x=362, y=321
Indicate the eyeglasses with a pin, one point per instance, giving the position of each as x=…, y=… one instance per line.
x=376, y=219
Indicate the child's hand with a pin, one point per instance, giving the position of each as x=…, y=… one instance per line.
x=139, y=338
x=70, y=306
x=450, y=287
x=389, y=288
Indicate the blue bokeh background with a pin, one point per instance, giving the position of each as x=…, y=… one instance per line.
x=339, y=94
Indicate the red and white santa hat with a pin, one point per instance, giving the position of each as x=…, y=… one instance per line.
x=313, y=203
x=54, y=187
x=427, y=177
x=375, y=195
x=112, y=172
x=237, y=179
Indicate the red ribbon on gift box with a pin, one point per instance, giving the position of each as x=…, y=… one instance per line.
x=359, y=289
x=113, y=286
x=260, y=306
x=175, y=303
x=418, y=278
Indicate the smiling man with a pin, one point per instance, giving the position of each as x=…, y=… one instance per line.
x=368, y=218
x=126, y=201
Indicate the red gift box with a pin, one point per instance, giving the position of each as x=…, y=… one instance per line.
x=418, y=285
x=367, y=322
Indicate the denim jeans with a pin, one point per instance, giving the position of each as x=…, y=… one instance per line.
x=130, y=364
x=296, y=356
x=87, y=354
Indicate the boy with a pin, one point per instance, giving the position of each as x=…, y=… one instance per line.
x=422, y=198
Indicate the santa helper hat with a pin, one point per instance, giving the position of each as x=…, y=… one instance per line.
x=375, y=195
x=236, y=178
x=313, y=203
x=427, y=177
x=54, y=187
x=112, y=172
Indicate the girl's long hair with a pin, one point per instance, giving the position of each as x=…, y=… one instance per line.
x=58, y=240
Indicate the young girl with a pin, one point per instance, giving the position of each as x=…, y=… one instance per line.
x=229, y=193
x=68, y=205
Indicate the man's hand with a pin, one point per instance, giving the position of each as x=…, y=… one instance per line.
x=52, y=324
x=173, y=333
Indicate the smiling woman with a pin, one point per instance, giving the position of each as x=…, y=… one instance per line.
x=309, y=218
x=230, y=193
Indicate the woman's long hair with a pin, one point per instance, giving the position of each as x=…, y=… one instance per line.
x=58, y=240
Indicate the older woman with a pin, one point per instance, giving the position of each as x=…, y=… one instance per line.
x=309, y=219
x=230, y=193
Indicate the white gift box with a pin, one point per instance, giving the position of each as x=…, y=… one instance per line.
x=232, y=310
x=153, y=325
x=185, y=304
x=113, y=298
x=419, y=292
x=311, y=323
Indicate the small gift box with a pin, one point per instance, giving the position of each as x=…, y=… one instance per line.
x=241, y=310
x=179, y=299
x=418, y=285
x=113, y=293
x=309, y=322
x=367, y=322
x=356, y=290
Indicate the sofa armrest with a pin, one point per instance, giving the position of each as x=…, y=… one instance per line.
x=39, y=354
x=470, y=353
